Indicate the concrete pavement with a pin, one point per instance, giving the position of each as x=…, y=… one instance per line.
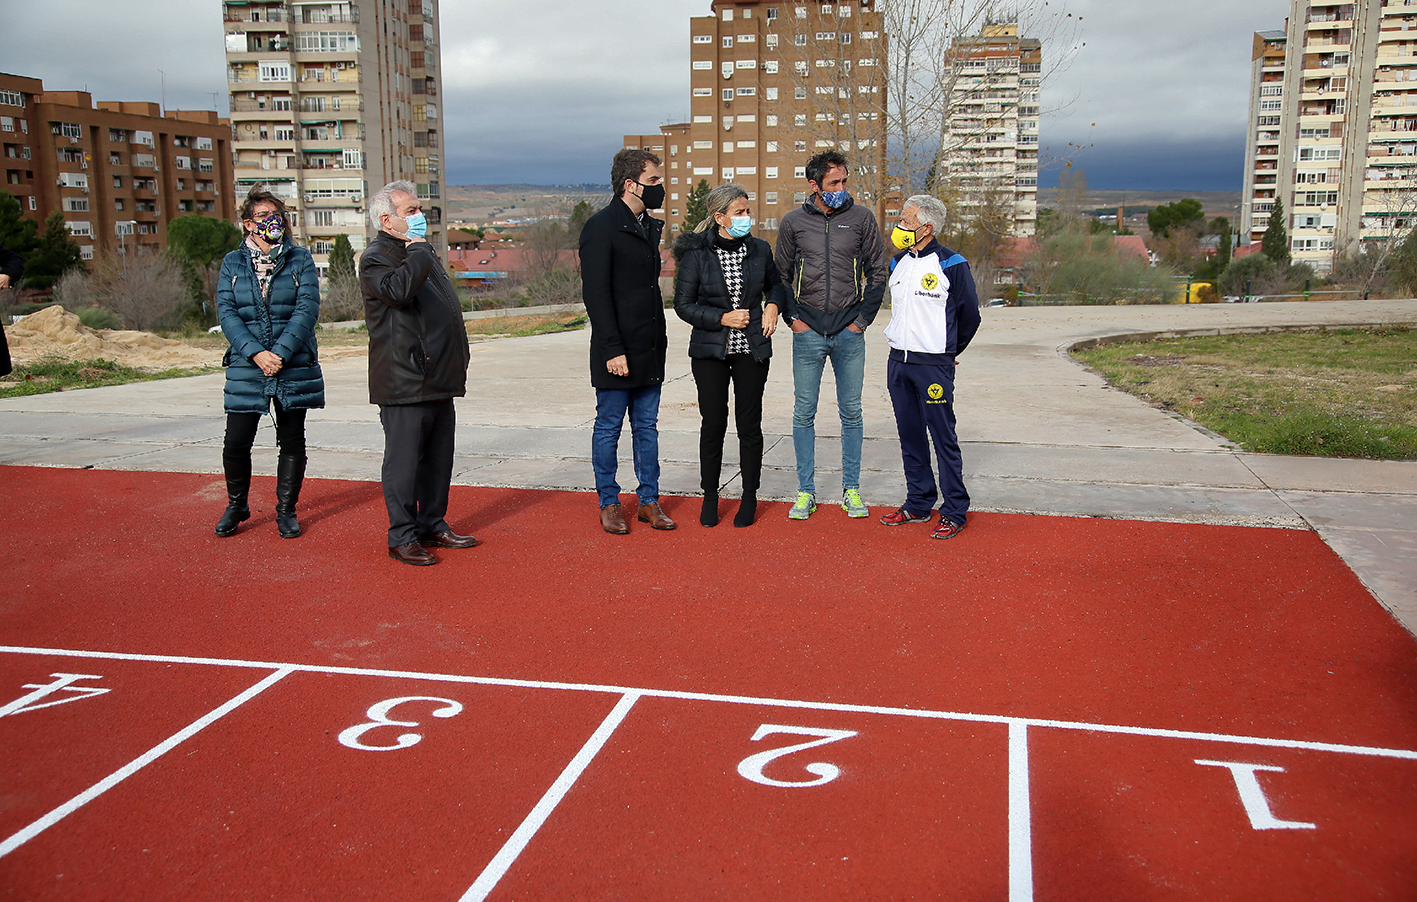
x=1041, y=434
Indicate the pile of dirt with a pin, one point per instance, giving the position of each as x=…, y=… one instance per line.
x=56, y=333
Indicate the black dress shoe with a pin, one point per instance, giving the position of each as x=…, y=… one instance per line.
x=447, y=539
x=412, y=553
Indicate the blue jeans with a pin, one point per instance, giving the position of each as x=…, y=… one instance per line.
x=611, y=405
x=810, y=352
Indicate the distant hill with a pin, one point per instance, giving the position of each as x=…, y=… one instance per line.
x=1216, y=203
x=480, y=203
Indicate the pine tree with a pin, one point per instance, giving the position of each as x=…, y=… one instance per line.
x=56, y=253
x=696, y=206
x=17, y=232
x=1275, y=242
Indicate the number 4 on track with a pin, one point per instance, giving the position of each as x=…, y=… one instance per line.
x=751, y=768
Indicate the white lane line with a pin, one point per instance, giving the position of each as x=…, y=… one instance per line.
x=1157, y=732
x=1020, y=817
x=118, y=776
x=487, y=880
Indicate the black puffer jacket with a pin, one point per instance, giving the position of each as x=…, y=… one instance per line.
x=701, y=295
x=417, y=341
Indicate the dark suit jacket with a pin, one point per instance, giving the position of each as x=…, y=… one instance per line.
x=620, y=285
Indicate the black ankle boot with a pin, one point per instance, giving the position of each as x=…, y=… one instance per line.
x=747, y=509
x=238, y=486
x=290, y=473
x=709, y=515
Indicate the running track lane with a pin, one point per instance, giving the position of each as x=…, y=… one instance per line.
x=1257, y=633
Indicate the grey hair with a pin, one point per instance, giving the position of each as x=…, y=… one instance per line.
x=383, y=200
x=928, y=210
x=718, y=201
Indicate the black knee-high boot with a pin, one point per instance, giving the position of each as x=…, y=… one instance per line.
x=238, y=486
x=290, y=473
x=752, y=477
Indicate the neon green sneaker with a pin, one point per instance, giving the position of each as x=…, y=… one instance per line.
x=806, y=506
x=852, y=504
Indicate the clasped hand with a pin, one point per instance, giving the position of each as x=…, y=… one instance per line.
x=269, y=363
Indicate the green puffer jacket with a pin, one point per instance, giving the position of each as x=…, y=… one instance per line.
x=284, y=324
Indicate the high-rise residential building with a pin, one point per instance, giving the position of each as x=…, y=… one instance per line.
x=1340, y=127
x=773, y=83
x=118, y=171
x=330, y=101
x=1266, y=124
x=989, y=153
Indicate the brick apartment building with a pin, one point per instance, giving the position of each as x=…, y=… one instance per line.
x=119, y=172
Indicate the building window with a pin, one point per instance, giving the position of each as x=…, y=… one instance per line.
x=770, y=67
x=772, y=95
x=728, y=40
x=770, y=172
x=703, y=39
x=727, y=94
x=274, y=70
x=800, y=40
x=12, y=98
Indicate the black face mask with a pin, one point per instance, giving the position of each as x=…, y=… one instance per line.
x=652, y=196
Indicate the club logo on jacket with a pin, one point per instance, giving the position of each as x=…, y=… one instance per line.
x=930, y=282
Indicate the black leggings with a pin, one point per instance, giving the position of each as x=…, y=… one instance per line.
x=749, y=378
x=241, y=433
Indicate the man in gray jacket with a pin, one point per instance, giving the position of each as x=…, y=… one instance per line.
x=830, y=255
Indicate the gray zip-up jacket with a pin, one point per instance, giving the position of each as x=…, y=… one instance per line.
x=834, y=266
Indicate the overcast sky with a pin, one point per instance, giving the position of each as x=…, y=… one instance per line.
x=541, y=91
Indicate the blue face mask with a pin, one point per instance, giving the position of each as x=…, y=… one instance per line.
x=836, y=199
x=417, y=225
x=741, y=226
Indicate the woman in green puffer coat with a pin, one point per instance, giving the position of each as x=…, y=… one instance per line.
x=268, y=299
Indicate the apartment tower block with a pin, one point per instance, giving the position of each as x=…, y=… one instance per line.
x=1338, y=131
x=330, y=101
x=772, y=84
x=989, y=151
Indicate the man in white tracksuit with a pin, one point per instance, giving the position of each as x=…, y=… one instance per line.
x=934, y=314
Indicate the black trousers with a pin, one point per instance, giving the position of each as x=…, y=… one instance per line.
x=749, y=378
x=241, y=433
x=418, y=467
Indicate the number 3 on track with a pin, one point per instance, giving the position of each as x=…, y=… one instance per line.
x=751, y=768
x=379, y=717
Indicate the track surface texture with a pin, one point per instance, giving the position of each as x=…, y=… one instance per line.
x=1040, y=708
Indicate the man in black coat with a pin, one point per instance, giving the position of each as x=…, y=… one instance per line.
x=11, y=268
x=418, y=357
x=620, y=284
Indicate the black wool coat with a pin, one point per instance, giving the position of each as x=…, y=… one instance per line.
x=701, y=294
x=620, y=286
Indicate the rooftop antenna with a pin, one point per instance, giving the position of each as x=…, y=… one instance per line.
x=164, y=90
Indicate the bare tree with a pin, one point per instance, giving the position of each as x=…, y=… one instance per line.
x=146, y=290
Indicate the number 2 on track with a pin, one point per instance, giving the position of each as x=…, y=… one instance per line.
x=751, y=768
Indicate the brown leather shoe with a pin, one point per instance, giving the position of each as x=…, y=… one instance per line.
x=612, y=521
x=653, y=514
x=447, y=539
x=412, y=553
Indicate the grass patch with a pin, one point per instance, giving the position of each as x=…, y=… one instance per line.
x=62, y=375
x=523, y=326
x=1332, y=393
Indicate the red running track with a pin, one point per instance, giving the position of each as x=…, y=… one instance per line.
x=1045, y=708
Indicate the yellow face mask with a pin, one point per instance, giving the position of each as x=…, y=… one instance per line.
x=904, y=239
